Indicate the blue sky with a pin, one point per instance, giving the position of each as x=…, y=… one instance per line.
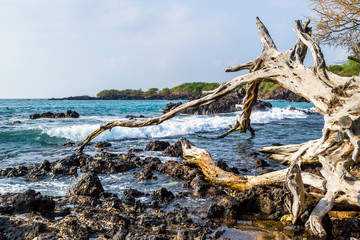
x=63, y=48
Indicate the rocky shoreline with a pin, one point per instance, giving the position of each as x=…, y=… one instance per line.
x=87, y=211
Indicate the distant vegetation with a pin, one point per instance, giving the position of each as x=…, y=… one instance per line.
x=349, y=68
x=194, y=88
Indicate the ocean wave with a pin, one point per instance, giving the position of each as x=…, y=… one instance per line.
x=182, y=125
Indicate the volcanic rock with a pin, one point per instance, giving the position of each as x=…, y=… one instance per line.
x=156, y=145
x=87, y=184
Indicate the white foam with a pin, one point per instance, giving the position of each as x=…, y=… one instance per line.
x=177, y=126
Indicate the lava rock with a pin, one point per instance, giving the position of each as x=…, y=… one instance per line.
x=68, y=144
x=223, y=165
x=72, y=114
x=59, y=115
x=157, y=145
x=146, y=175
x=215, y=211
x=103, y=145
x=16, y=122
x=176, y=170
x=173, y=150
x=87, y=184
x=134, y=192
x=35, y=116
x=33, y=202
x=162, y=195
x=170, y=106
x=261, y=106
x=260, y=163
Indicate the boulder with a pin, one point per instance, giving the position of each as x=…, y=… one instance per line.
x=87, y=184
x=32, y=202
x=162, y=195
x=173, y=150
x=156, y=145
x=72, y=114
x=16, y=122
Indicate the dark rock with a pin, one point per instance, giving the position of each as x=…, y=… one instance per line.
x=260, y=163
x=253, y=154
x=47, y=115
x=162, y=195
x=276, y=144
x=223, y=165
x=261, y=106
x=134, y=150
x=145, y=175
x=33, y=202
x=103, y=145
x=157, y=145
x=16, y=122
x=170, y=106
x=173, y=150
x=134, y=192
x=176, y=170
x=45, y=166
x=59, y=115
x=72, y=114
x=35, y=175
x=130, y=117
x=68, y=144
x=87, y=184
x=215, y=211
x=35, y=116
x=191, y=234
x=69, y=114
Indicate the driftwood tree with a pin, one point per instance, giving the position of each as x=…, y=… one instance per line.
x=335, y=97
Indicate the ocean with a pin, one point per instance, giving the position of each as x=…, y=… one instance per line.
x=33, y=141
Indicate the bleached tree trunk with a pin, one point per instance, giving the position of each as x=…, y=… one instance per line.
x=335, y=97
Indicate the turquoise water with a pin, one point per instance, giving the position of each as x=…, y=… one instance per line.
x=33, y=141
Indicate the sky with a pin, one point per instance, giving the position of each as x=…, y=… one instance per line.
x=63, y=48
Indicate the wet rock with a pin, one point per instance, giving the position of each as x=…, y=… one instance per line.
x=253, y=154
x=16, y=122
x=261, y=106
x=35, y=175
x=215, y=211
x=72, y=114
x=87, y=184
x=35, y=116
x=191, y=234
x=157, y=145
x=69, y=144
x=144, y=236
x=151, y=163
x=27, y=202
x=130, y=117
x=59, y=115
x=162, y=195
x=173, y=150
x=276, y=144
x=134, y=150
x=176, y=170
x=103, y=145
x=200, y=186
x=45, y=166
x=146, y=174
x=260, y=163
x=134, y=192
x=223, y=165
x=170, y=106
x=47, y=115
